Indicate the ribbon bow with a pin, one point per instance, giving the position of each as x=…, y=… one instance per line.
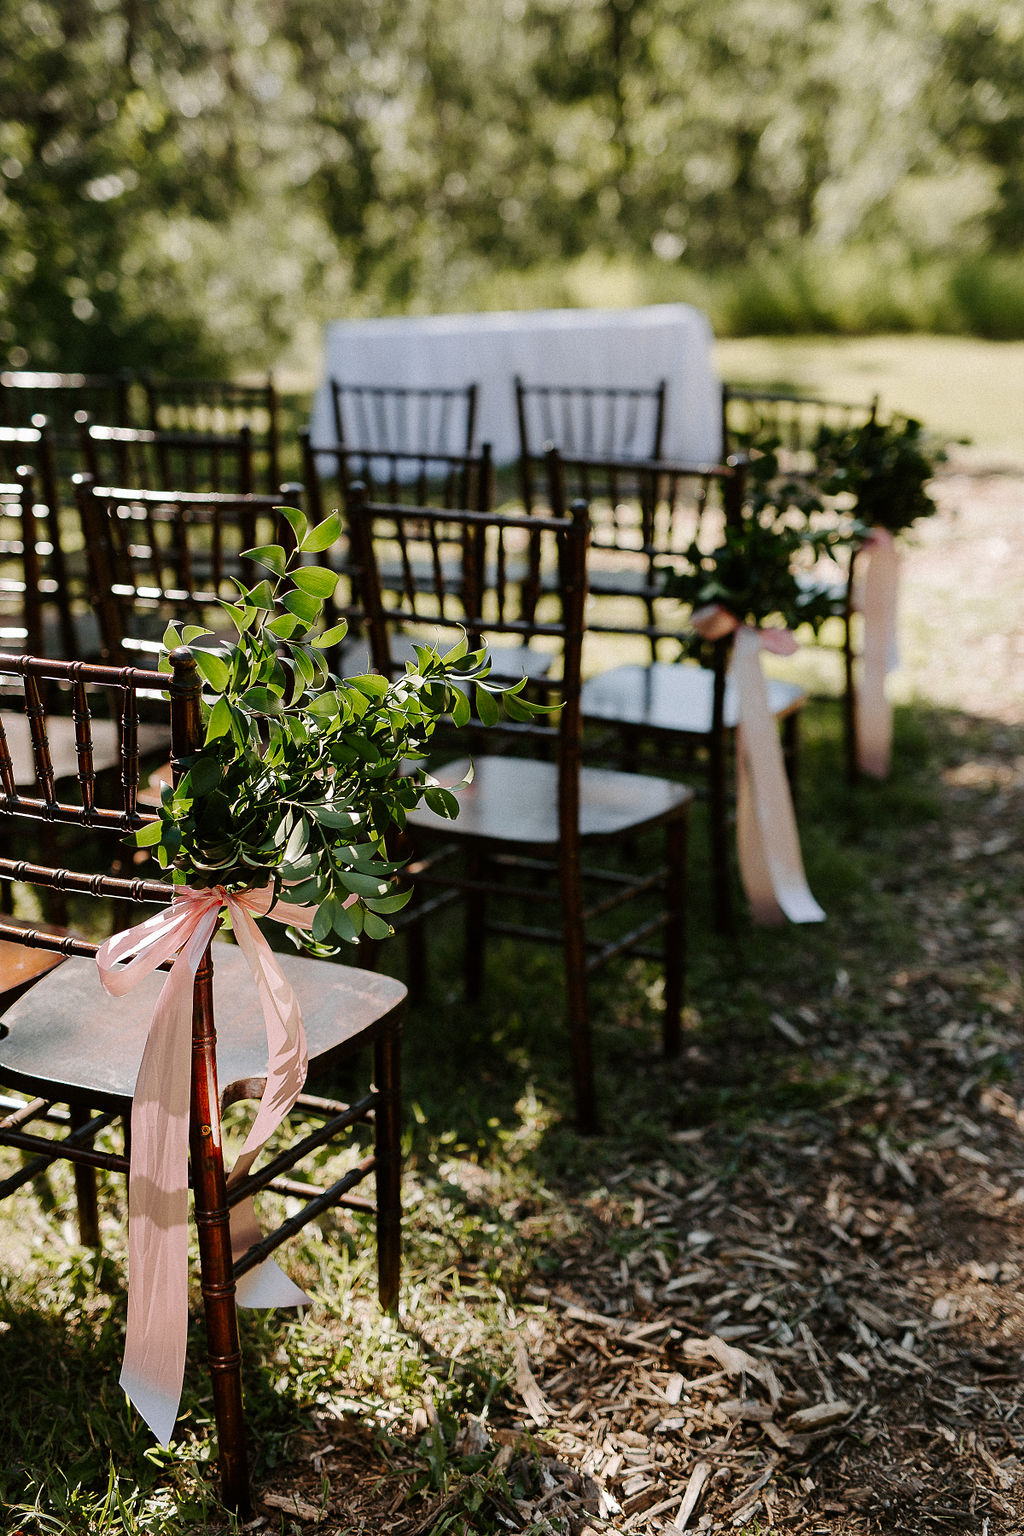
x=154, y=1357
x=767, y=842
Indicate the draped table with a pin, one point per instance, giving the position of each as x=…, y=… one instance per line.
x=633, y=348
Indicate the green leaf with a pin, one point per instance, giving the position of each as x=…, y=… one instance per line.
x=149, y=835
x=296, y=521
x=316, y=580
x=486, y=707
x=370, y=683
x=304, y=893
x=375, y=927
x=297, y=841
x=334, y=816
x=205, y=774
x=262, y=597
x=284, y=626
x=441, y=801
x=393, y=903
x=364, y=885
x=457, y=652
x=270, y=555
x=347, y=921
x=331, y=636
x=322, y=925
x=303, y=606
x=213, y=668
x=219, y=723
x=459, y=707
x=262, y=700
x=322, y=536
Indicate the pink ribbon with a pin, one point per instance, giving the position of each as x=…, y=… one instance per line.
x=154, y=1358
x=877, y=601
x=767, y=841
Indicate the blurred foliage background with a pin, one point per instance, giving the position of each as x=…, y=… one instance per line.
x=198, y=184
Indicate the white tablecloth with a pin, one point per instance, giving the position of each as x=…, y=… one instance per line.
x=628, y=347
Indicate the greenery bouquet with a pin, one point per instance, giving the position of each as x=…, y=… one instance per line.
x=762, y=573
x=302, y=774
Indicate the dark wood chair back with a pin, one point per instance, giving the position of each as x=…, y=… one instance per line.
x=644, y=515
x=610, y=422
x=56, y=536
x=396, y=475
x=436, y=574
x=220, y=408
x=21, y=582
x=749, y=415
x=57, y=396
x=395, y=419
x=186, y=461
x=158, y=556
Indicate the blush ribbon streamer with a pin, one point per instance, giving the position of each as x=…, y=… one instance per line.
x=877, y=601
x=767, y=841
x=154, y=1358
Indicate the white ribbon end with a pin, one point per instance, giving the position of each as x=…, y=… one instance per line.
x=158, y=1409
x=268, y=1286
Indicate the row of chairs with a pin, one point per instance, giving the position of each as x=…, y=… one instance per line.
x=207, y=407
x=427, y=556
x=619, y=422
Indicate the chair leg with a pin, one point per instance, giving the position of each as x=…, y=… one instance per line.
x=475, y=927
x=224, y=1353
x=577, y=1000
x=849, y=707
x=675, y=935
x=85, y=1189
x=388, y=1175
x=718, y=827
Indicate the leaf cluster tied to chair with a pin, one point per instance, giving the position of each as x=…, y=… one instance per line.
x=67, y=1043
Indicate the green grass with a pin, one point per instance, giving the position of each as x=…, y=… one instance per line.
x=961, y=387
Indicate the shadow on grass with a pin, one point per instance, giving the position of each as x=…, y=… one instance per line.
x=468, y=1068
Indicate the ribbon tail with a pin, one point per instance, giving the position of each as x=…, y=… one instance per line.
x=879, y=600
x=267, y=1285
x=768, y=844
x=157, y=1327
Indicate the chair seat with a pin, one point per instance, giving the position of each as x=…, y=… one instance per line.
x=68, y=1034
x=60, y=732
x=515, y=800
x=670, y=697
x=19, y=965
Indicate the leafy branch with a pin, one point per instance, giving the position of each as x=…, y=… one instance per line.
x=762, y=572
x=302, y=775
x=884, y=466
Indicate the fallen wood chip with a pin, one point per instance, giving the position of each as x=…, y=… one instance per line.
x=762, y=1256
x=694, y=1489
x=529, y=1391
x=819, y=1416
x=875, y=1318
x=291, y=1504
x=694, y=1277
x=734, y=1362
